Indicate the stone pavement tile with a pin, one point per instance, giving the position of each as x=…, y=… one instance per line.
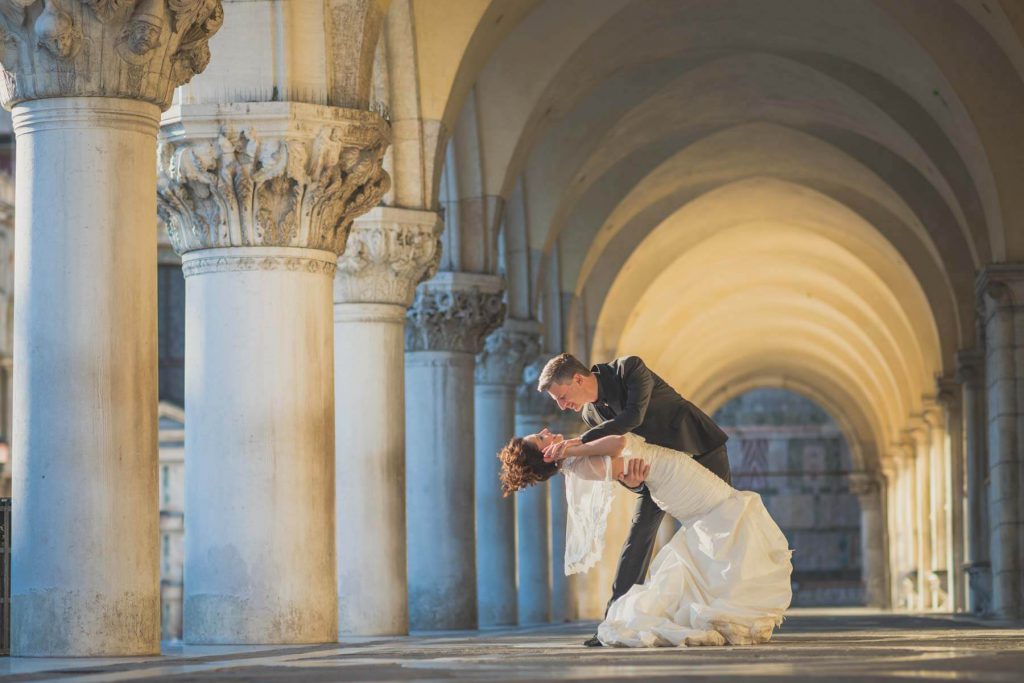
x=813, y=645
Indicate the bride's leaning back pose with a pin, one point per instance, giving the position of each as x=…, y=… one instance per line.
x=723, y=578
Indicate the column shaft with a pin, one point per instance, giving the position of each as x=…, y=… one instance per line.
x=1002, y=294
x=259, y=426
x=559, y=581
x=495, y=516
x=872, y=534
x=370, y=475
x=533, y=542
x=922, y=476
x=452, y=315
x=439, y=490
x=976, y=560
x=85, y=559
x=387, y=253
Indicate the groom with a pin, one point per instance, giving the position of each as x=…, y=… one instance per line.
x=625, y=396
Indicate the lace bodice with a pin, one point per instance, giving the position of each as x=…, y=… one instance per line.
x=678, y=484
x=592, y=468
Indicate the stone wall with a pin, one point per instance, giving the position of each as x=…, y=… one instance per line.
x=791, y=452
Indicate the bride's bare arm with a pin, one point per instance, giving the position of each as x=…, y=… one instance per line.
x=606, y=445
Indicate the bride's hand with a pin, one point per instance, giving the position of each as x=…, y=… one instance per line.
x=561, y=450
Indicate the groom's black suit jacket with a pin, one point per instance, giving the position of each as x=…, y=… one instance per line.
x=631, y=398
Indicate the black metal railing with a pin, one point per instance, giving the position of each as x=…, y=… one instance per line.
x=5, y=576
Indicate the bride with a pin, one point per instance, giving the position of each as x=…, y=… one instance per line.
x=723, y=578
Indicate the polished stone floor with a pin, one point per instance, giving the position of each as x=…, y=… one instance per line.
x=825, y=645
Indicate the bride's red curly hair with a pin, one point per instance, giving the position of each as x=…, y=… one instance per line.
x=522, y=465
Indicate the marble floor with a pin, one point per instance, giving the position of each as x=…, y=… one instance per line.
x=813, y=645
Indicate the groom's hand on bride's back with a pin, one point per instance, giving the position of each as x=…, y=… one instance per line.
x=634, y=473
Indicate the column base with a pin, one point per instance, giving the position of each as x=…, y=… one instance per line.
x=60, y=623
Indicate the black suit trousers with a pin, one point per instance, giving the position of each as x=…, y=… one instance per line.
x=639, y=548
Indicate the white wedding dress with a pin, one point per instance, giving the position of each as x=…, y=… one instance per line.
x=723, y=578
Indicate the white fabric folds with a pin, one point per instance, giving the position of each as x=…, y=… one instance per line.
x=723, y=578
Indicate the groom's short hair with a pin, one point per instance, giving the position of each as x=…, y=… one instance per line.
x=560, y=370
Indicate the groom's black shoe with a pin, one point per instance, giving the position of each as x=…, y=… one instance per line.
x=592, y=641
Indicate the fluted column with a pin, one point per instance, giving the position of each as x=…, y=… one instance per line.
x=970, y=369
x=867, y=488
x=499, y=370
x=534, y=411
x=1001, y=291
x=389, y=251
x=86, y=82
x=451, y=316
x=259, y=199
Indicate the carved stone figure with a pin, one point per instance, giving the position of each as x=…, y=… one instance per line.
x=56, y=32
x=143, y=32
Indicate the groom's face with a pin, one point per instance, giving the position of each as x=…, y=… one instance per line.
x=571, y=395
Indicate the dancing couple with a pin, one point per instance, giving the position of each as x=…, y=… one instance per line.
x=724, y=578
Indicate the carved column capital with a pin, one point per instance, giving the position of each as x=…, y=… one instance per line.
x=276, y=174
x=529, y=401
x=454, y=312
x=970, y=366
x=862, y=484
x=1000, y=285
x=506, y=351
x=389, y=251
x=133, y=49
x=947, y=392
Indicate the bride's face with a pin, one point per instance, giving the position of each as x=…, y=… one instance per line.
x=543, y=438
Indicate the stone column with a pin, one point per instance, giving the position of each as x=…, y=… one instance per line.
x=569, y=425
x=498, y=371
x=1001, y=290
x=389, y=251
x=955, y=497
x=534, y=411
x=872, y=537
x=920, y=438
x=938, y=509
x=910, y=536
x=970, y=369
x=891, y=521
x=451, y=316
x=258, y=199
x=6, y=312
x=85, y=82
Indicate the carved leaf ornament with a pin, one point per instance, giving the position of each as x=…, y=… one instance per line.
x=135, y=49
